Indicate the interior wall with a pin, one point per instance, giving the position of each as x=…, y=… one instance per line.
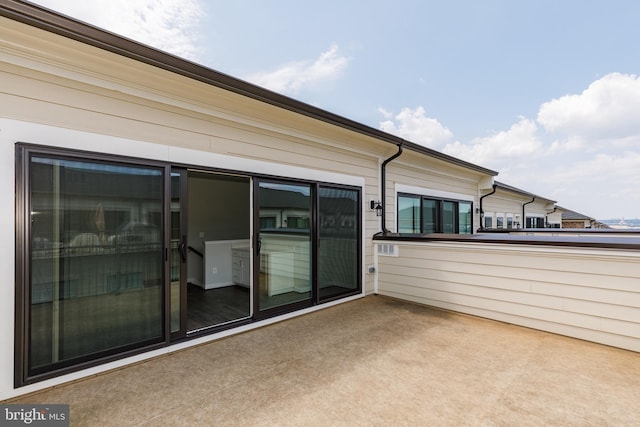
x=218, y=209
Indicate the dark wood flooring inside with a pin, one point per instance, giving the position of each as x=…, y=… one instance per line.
x=212, y=307
x=216, y=306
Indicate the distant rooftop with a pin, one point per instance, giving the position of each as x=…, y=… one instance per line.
x=569, y=214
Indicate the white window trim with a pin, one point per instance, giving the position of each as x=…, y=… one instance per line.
x=491, y=215
x=429, y=192
x=426, y=192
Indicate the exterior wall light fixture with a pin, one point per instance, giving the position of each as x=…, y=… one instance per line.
x=377, y=205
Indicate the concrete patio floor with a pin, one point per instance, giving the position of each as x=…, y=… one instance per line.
x=371, y=362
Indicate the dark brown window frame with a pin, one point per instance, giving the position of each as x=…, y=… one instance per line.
x=22, y=375
x=23, y=153
x=440, y=212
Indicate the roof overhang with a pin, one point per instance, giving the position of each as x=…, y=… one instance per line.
x=512, y=189
x=48, y=20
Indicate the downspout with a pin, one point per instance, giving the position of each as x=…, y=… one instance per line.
x=524, y=218
x=383, y=183
x=546, y=218
x=495, y=186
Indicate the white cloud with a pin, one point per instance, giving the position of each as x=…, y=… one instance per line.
x=594, y=159
x=415, y=126
x=295, y=76
x=582, y=150
x=519, y=143
x=168, y=25
x=602, y=186
x=604, y=114
x=385, y=113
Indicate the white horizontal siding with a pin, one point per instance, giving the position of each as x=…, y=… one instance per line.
x=510, y=203
x=37, y=97
x=423, y=174
x=496, y=203
x=583, y=293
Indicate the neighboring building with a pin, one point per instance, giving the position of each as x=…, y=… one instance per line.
x=507, y=207
x=573, y=219
x=160, y=204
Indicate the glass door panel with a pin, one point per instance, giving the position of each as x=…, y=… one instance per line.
x=217, y=249
x=177, y=256
x=97, y=260
x=284, y=245
x=339, y=243
x=210, y=256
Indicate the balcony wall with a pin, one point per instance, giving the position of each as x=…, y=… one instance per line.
x=591, y=293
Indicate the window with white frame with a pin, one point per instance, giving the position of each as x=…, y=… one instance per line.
x=488, y=220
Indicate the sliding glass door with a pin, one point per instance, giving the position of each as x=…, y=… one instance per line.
x=96, y=259
x=338, y=242
x=308, y=244
x=284, y=245
x=210, y=265
x=116, y=255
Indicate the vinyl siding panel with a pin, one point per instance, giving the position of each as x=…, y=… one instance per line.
x=503, y=204
x=506, y=202
x=86, y=109
x=442, y=177
x=129, y=106
x=583, y=293
x=539, y=209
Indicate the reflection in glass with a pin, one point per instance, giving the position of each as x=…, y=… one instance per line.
x=408, y=214
x=430, y=216
x=96, y=259
x=285, y=244
x=464, y=218
x=448, y=217
x=338, y=245
x=176, y=239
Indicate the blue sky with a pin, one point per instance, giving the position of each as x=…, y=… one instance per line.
x=545, y=92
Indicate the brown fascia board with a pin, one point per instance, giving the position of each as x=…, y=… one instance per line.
x=48, y=20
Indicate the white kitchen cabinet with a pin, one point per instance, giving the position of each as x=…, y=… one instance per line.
x=241, y=273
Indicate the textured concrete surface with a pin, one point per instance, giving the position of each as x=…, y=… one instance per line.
x=371, y=362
